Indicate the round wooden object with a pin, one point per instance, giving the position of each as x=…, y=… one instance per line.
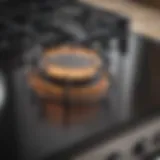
x=71, y=63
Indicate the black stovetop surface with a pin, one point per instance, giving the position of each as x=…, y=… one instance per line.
x=42, y=140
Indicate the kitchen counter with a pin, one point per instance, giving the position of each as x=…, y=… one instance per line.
x=144, y=20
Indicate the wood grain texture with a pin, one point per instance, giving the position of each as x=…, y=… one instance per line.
x=90, y=92
x=144, y=19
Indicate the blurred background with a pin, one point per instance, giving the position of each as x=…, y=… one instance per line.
x=80, y=80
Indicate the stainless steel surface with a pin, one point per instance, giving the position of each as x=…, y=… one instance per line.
x=124, y=144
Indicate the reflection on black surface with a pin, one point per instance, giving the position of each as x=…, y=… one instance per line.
x=8, y=143
x=40, y=138
x=147, y=88
x=153, y=156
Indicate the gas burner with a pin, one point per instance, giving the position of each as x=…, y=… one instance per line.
x=69, y=12
x=87, y=25
x=70, y=23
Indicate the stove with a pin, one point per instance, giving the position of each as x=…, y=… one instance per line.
x=43, y=46
x=70, y=23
